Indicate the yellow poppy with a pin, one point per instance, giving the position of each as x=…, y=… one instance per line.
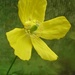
x=32, y=14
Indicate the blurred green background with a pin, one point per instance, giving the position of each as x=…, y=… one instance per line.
x=65, y=47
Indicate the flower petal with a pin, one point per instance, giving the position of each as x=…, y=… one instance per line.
x=43, y=50
x=54, y=29
x=31, y=10
x=20, y=42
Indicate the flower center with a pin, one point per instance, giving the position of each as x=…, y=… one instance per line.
x=31, y=26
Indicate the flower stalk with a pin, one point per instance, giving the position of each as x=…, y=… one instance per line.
x=11, y=65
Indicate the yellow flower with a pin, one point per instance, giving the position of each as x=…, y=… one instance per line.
x=32, y=13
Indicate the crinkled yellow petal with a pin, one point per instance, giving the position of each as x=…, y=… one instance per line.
x=43, y=50
x=54, y=29
x=20, y=42
x=31, y=10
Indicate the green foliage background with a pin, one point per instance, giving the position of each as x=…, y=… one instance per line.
x=65, y=47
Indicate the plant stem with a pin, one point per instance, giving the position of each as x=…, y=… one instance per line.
x=11, y=65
